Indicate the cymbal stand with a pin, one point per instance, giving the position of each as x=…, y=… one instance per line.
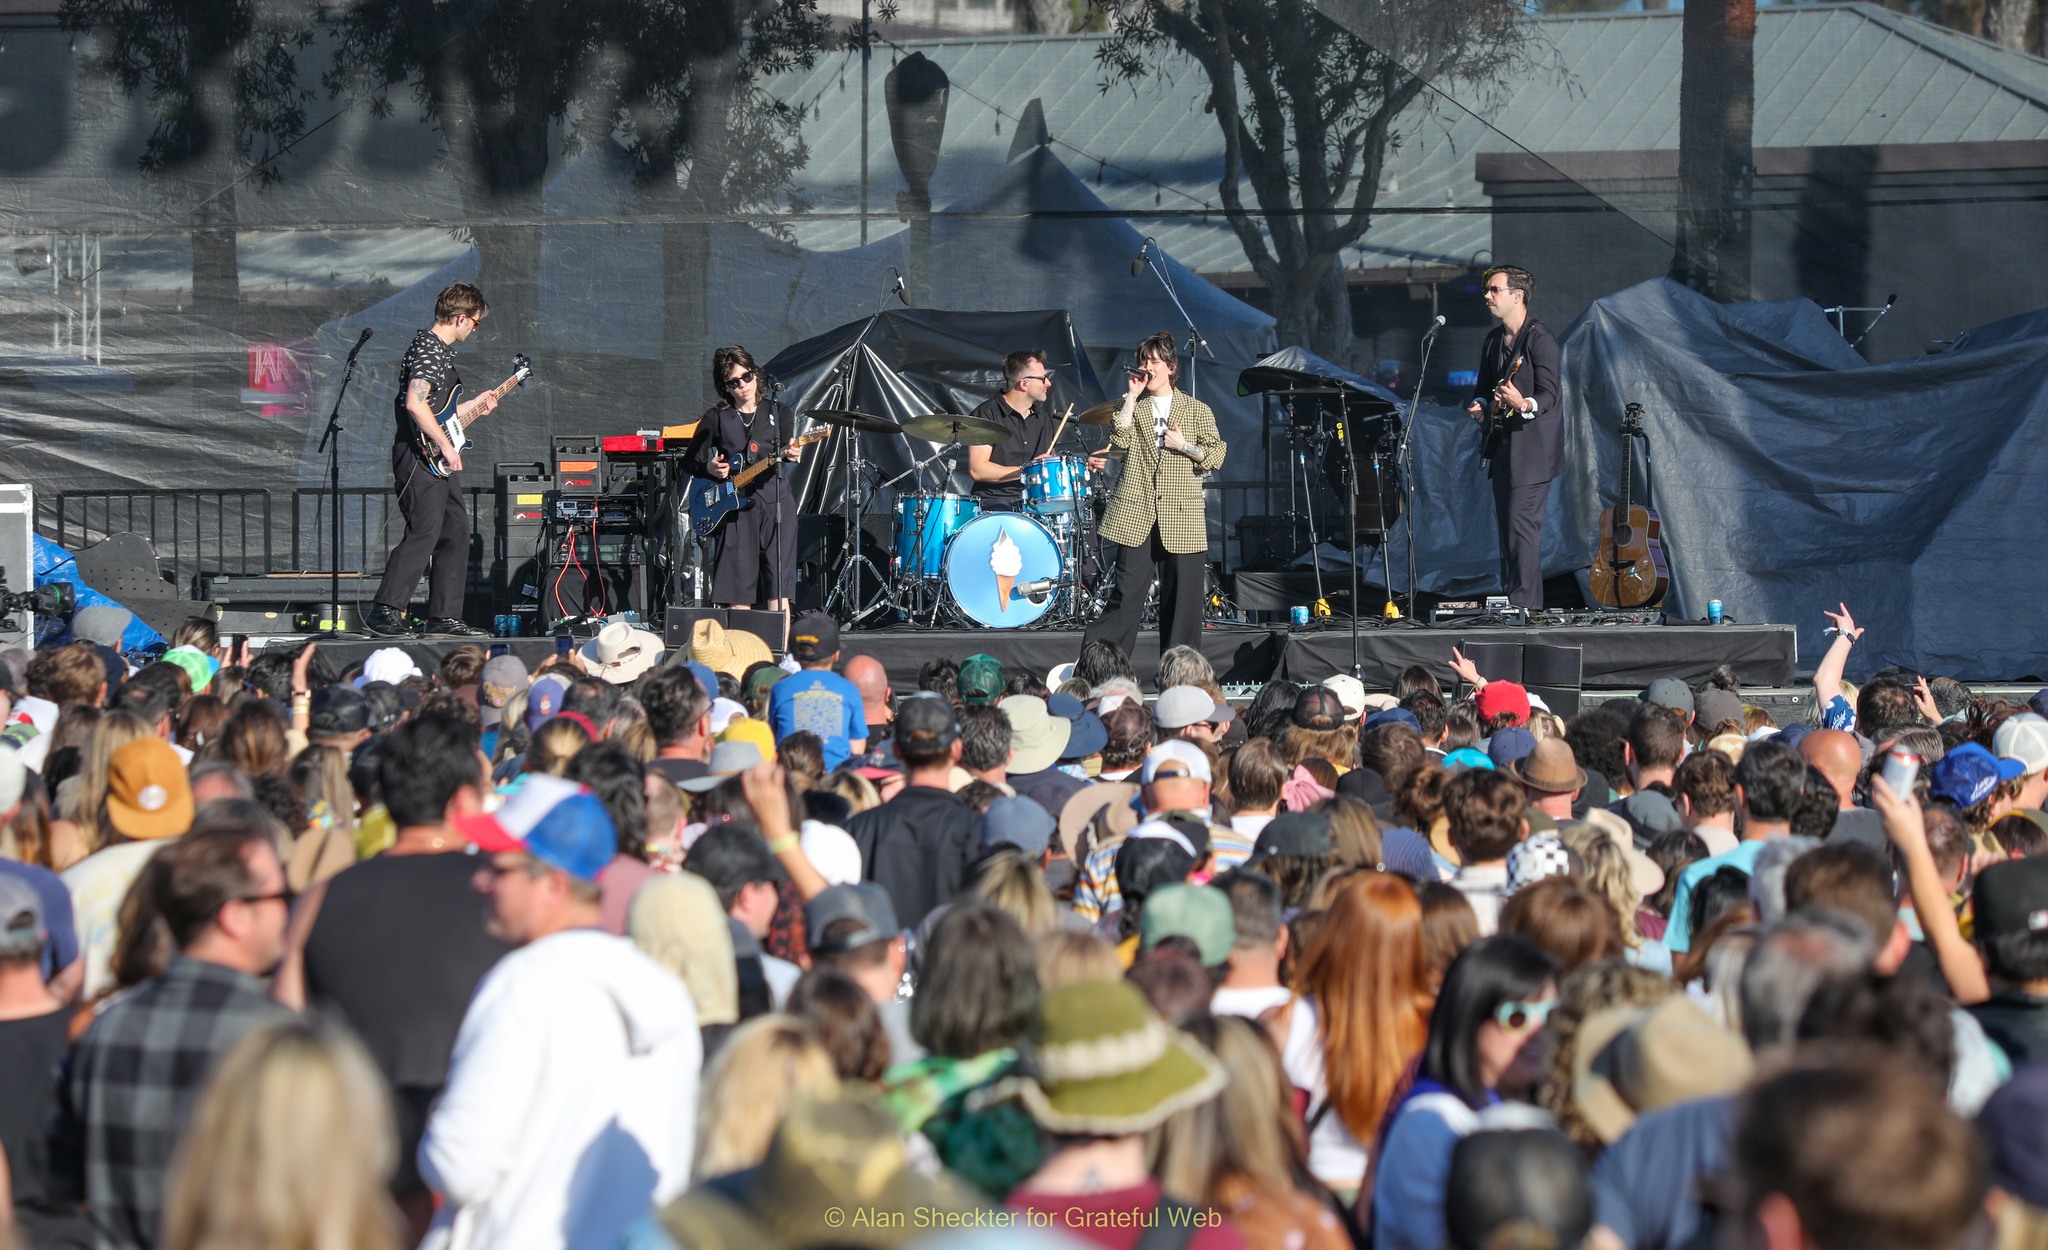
x=913, y=593
x=847, y=590
x=1308, y=486
x=1405, y=466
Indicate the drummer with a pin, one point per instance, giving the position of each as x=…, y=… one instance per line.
x=1023, y=409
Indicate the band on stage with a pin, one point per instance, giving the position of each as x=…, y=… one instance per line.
x=1056, y=525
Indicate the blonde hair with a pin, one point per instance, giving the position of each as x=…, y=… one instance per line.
x=1009, y=882
x=1065, y=957
x=88, y=810
x=1607, y=872
x=1247, y=1134
x=858, y=791
x=676, y=921
x=554, y=744
x=1544, y=725
x=2019, y=1225
x=637, y=737
x=767, y=1064
x=291, y=1147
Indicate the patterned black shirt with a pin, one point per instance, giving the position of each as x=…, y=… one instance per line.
x=430, y=359
x=129, y=1087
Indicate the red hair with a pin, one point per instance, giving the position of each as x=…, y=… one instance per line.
x=1367, y=969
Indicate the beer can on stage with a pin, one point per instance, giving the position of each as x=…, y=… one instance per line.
x=1298, y=616
x=1713, y=611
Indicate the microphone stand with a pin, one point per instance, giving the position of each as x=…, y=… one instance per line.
x=1196, y=343
x=855, y=467
x=1404, y=465
x=330, y=442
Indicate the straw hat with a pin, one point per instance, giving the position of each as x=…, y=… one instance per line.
x=730, y=651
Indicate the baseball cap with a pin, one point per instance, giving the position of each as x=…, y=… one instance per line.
x=1496, y=697
x=390, y=664
x=1968, y=774
x=1200, y=913
x=559, y=823
x=1019, y=821
x=1669, y=692
x=728, y=759
x=2023, y=738
x=21, y=918
x=866, y=902
x=1176, y=758
x=1088, y=735
x=1716, y=706
x=102, y=624
x=2010, y=1125
x=506, y=672
x=1294, y=833
x=1351, y=691
x=700, y=670
x=148, y=795
x=198, y=665
x=1511, y=745
x=2012, y=897
x=723, y=713
x=1181, y=706
x=1318, y=708
x=1393, y=716
x=730, y=856
x=543, y=700
x=814, y=636
x=337, y=710
x=925, y=725
x=747, y=729
x=981, y=679
x=1468, y=757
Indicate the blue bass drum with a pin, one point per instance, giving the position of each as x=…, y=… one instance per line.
x=923, y=525
x=989, y=562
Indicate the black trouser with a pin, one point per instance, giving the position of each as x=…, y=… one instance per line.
x=1518, y=510
x=436, y=533
x=1180, y=595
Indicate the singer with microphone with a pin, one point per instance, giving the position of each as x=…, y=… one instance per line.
x=753, y=559
x=1518, y=372
x=1156, y=520
x=436, y=518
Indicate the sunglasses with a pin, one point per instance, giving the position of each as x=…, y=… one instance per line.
x=1516, y=1017
x=741, y=379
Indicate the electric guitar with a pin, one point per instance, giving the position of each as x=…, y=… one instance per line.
x=1629, y=569
x=452, y=425
x=1500, y=418
x=712, y=501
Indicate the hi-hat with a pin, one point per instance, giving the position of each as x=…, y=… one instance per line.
x=864, y=422
x=945, y=427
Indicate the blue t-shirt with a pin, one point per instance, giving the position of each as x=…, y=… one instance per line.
x=1678, y=933
x=1647, y=1187
x=60, y=947
x=822, y=702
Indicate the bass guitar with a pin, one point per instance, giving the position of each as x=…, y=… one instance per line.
x=713, y=501
x=1500, y=418
x=453, y=425
x=1629, y=569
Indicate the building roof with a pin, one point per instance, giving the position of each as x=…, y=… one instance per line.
x=1827, y=74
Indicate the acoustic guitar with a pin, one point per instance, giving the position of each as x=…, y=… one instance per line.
x=1628, y=567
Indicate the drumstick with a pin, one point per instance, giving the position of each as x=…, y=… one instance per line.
x=1063, y=427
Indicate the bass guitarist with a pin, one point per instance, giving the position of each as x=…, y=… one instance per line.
x=1518, y=395
x=436, y=518
x=754, y=551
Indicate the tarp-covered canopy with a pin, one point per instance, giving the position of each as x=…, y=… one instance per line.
x=1792, y=476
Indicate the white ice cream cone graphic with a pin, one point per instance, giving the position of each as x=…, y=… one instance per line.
x=1007, y=563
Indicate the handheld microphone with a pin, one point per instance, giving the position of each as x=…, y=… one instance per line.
x=367, y=332
x=1144, y=254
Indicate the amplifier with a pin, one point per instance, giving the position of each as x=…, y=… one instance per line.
x=1494, y=610
x=578, y=463
x=604, y=509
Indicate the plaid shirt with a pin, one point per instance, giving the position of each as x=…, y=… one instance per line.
x=1163, y=488
x=129, y=1086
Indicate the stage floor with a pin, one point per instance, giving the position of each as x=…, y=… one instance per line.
x=1615, y=656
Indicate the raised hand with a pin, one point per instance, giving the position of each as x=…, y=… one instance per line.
x=1843, y=621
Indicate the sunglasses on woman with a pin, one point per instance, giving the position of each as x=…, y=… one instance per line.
x=1516, y=1017
x=738, y=380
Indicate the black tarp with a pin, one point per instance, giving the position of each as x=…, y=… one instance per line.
x=1792, y=476
x=917, y=361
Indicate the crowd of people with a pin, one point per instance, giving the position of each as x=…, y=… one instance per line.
x=706, y=947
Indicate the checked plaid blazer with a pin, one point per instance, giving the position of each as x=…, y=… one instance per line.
x=1176, y=505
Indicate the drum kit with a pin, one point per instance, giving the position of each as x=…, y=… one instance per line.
x=954, y=564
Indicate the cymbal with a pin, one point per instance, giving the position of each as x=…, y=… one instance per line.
x=946, y=427
x=1100, y=414
x=864, y=422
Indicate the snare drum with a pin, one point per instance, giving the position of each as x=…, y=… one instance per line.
x=1055, y=485
x=991, y=557
x=924, y=524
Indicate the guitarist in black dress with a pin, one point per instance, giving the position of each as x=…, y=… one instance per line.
x=436, y=518
x=1519, y=396
x=754, y=551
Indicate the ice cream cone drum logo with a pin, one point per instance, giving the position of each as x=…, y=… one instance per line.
x=997, y=568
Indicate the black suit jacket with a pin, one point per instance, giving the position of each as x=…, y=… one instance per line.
x=1535, y=450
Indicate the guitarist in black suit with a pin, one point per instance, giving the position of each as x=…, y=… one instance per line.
x=754, y=551
x=436, y=518
x=1532, y=453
